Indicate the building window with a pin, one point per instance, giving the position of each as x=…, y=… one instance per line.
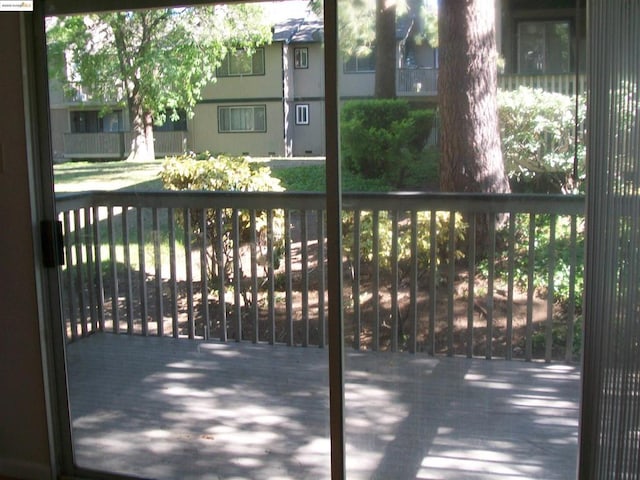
x=240, y=63
x=90, y=121
x=251, y=118
x=360, y=64
x=302, y=114
x=301, y=57
x=544, y=47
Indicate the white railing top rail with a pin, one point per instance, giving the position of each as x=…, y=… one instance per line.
x=423, y=201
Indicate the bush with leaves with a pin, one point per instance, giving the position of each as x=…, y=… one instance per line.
x=225, y=173
x=383, y=138
x=385, y=229
x=563, y=252
x=538, y=138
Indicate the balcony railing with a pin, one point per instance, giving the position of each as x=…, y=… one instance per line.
x=420, y=273
x=424, y=82
x=118, y=144
x=561, y=83
x=417, y=81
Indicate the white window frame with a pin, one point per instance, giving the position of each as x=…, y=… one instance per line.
x=240, y=110
x=301, y=57
x=302, y=114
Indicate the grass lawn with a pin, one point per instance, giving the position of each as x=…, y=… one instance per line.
x=143, y=176
x=117, y=175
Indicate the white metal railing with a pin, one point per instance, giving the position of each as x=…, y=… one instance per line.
x=417, y=81
x=424, y=81
x=137, y=264
x=561, y=83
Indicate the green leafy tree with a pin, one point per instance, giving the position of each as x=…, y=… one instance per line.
x=152, y=62
x=366, y=26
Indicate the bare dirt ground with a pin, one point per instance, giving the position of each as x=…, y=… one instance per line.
x=297, y=319
x=307, y=324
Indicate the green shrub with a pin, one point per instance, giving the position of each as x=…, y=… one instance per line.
x=312, y=178
x=383, y=138
x=563, y=257
x=224, y=173
x=538, y=138
x=385, y=219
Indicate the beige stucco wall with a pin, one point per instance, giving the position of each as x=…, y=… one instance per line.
x=205, y=134
x=308, y=140
x=355, y=84
x=309, y=82
x=237, y=91
x=267, y=85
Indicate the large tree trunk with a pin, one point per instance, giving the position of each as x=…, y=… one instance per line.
x=385, y=83
x=467, y=89
x=142, y=148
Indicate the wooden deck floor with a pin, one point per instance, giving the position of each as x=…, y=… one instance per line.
x=178, y=409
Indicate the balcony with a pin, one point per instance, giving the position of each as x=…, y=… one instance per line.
x=154, y=339
x=418, y=81
x=117, y=144
x=564, y=83
x=424, y=82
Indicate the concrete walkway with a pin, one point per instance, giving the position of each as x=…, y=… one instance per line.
x=179, y=409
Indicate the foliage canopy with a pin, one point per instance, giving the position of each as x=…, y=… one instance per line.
x=152, y=62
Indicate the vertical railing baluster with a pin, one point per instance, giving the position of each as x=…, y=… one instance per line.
x=451, y=281
x=86, y=311
x=219, y=250
x=91, y=286
x=471, y=283
x=530, y=287
x=71, y=266
x=375, y=286
x=322, y=324
x=288, y=286
x=271, y=296
x=255, y=332
x=113, y=257
x=237, y=274
x=144, y=311
x=413, y=284
x=157, y=260
x=355, y=281
x=188, y=262
x=490, y=283
x=127, y=265
x=98, y=270
x=173, y=272
x=395, y=317
x=548, y=343
x=82, y=310
x=510, y=284
x=433, y=281
x=571, y=308
x=204, y=280
x=304, y=245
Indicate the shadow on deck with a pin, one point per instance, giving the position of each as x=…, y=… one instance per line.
x=176, y=409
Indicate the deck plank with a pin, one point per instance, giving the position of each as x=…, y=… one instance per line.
x=182, y=409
